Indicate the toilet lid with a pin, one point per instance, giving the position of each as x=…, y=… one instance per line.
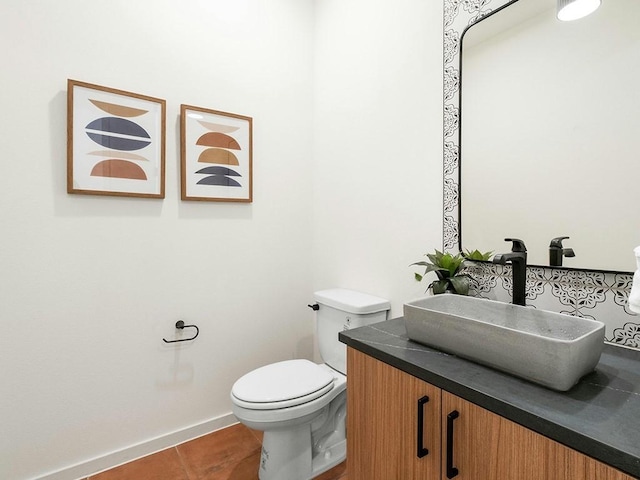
x=283, y=384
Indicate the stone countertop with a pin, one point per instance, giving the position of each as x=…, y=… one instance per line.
x=600, y=416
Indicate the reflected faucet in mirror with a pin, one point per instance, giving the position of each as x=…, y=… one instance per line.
x=518, y=259
x=557, y=252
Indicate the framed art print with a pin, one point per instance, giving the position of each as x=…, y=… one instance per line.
x=115, y=142
x=216, y=155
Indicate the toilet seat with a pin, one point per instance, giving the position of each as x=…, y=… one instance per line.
x=281, y=385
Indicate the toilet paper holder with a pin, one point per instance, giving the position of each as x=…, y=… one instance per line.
x=180, y=325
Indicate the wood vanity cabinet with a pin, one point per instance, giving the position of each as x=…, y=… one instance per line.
x=402, y=428
x=383, y=405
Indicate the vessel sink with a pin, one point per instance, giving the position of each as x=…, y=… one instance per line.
x=548, y=348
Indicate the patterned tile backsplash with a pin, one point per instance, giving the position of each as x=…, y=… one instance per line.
x=597, y=295
x=591, y=294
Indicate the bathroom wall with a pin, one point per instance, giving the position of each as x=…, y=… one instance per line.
x=378, y=144
x=90, y=285
x=346, y=102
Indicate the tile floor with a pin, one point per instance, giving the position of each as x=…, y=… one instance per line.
x=232, y=453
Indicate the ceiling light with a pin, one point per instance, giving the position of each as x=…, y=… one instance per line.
x=574, y=9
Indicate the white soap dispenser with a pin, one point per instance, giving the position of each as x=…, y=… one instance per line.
x=634, y=296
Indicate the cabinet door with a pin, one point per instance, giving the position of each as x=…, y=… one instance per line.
x=470, y=441
x=384, y=406
x=485, y=446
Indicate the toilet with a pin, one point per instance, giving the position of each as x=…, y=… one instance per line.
x=300, y=405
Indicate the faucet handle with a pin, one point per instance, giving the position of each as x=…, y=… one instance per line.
x=518, y=245
x=557, y=242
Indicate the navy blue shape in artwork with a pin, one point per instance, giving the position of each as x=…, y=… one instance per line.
x=118, y=125
x=220, y=180
x=219, y=171
x=106, y=131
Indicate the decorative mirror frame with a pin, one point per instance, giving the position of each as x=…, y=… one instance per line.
x=458, y=16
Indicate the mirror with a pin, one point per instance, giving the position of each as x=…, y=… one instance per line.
x=550, y=133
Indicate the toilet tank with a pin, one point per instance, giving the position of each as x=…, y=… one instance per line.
x=341, y=309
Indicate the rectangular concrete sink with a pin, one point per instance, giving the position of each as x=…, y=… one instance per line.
x=551, y=349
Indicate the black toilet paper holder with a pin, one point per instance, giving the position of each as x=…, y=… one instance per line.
x=180, y=325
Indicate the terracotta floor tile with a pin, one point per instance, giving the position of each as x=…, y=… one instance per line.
x=165, y=465
x=245, y=469
x=258, y=434
x=229, y=453
x=232, y=453
x=336, y=473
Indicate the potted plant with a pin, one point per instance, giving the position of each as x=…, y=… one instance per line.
x=449, y=269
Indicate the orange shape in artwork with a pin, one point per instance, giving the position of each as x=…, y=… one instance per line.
x=216, y=139
x=118, y=110
x=218, y=155
x=116, y=168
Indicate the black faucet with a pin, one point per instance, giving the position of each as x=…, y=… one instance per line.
x=556, y=252
x=518, y=259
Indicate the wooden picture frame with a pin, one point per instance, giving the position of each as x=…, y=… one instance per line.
x=216, y=155
x=115, y=142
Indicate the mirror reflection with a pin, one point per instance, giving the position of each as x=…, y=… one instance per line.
x=550, y=133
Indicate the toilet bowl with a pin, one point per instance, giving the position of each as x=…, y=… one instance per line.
x=291, y=419
x=300, y=405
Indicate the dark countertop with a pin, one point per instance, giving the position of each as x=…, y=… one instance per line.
x=600, y=416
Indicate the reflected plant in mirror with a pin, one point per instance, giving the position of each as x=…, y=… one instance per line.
x=477, y=255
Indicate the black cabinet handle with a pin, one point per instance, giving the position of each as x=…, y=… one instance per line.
x=422, y=451
x=451, y=470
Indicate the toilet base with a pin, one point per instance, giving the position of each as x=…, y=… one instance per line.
x=286, y=454
x=305, y=451
x=332, y=457
x=295, y=461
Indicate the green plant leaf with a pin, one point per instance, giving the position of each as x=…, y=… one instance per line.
x=435, y=258
x=460, y=284
x=423, y=264
x=439, y=286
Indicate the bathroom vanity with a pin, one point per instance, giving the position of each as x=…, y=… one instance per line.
x=417, y=413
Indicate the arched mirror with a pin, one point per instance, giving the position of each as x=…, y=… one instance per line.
x=550, y=133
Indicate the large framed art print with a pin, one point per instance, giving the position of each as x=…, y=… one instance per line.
x=115, y=142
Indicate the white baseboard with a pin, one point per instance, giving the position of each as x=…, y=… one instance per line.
x=110, y=460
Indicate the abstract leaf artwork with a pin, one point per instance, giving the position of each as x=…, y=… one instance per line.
x=115, y=142
x=216, y=155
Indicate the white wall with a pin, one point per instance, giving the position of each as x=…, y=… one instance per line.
x=347, y=192
x=91, y=285
x=378, y=144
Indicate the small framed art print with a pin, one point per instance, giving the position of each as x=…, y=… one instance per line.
x=216, y=155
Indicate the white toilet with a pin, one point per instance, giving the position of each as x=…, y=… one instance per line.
x=301, y=406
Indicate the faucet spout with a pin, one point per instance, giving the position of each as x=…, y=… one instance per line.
x=518, y=259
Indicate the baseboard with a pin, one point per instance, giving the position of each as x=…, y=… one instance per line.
x=110, y=460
